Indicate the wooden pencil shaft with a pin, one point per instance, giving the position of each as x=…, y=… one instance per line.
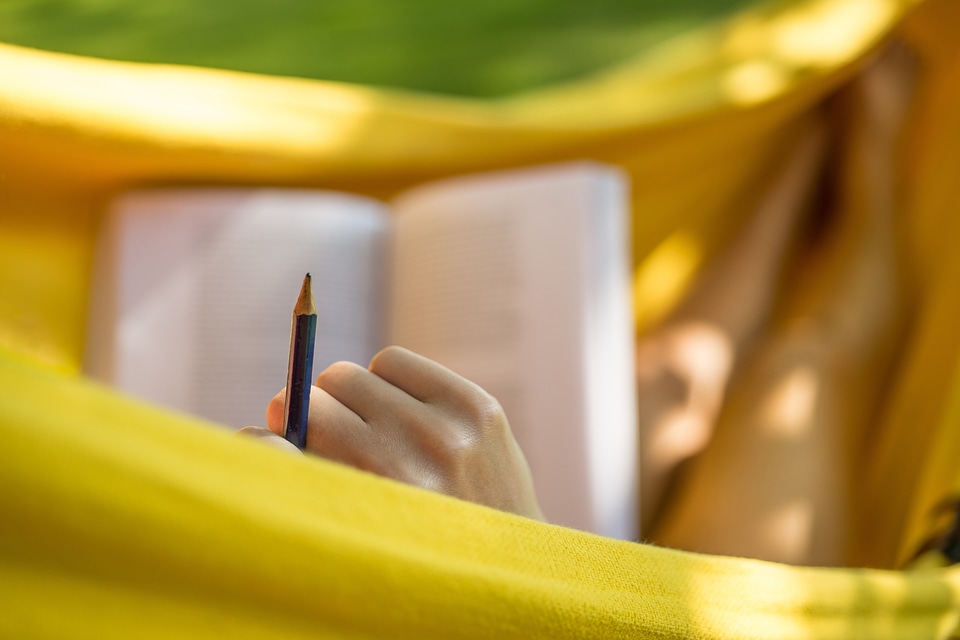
x=303, y=331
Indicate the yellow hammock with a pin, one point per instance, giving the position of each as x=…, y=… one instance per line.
x=122, y=520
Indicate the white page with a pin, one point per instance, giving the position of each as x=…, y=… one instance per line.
x=197, y=289
x=519, y=281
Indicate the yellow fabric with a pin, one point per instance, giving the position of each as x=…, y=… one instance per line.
x=916, y=463
x=120, y=516
x=124, y=520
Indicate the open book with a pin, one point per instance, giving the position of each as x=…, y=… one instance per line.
x=517, y=280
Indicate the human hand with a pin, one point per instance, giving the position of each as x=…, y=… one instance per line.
x=413, y=420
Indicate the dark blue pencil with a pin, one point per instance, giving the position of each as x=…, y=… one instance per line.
x=303, y=335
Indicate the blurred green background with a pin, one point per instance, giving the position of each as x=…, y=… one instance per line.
x=472, y=48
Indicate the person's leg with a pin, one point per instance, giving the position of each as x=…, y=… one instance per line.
x=683, y=364
x=773, y=483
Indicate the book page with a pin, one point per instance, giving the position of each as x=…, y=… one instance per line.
x=519, y=281
x=198, y=287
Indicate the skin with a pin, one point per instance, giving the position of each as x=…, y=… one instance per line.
x=410, y=419
x=778, y=479
x=684, y=365
x=769, y=457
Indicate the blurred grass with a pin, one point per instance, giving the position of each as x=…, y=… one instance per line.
x=472, y=48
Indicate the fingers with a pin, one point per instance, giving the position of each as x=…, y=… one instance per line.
x=424, y=379
x=362, y=391
x=404, y=401
x=412, y=420
x=268, y=438
x=360, y=419
x=336, y=432
x=396, y=375
x=333, y=430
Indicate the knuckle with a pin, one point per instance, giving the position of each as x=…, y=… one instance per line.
x=339, y=374
x=387, y=357
x=483, y=410
x=451, y=453
x=452, y=445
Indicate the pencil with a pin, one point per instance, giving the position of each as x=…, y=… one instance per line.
x=303, y=333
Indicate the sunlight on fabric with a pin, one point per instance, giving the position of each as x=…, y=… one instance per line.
x=768, y=621
x=179, y=103
x=663, y=277
x=779, y=594
x=754, y=81
x=828, y=32
x=769, y=55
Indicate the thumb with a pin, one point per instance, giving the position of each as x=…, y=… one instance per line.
x=268, y=438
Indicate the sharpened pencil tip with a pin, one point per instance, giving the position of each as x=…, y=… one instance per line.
x=305, y=305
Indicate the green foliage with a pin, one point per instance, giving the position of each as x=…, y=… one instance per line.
x=476, y=48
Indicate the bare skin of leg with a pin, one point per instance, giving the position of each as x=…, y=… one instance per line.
x=684, y=364
x=775, y=481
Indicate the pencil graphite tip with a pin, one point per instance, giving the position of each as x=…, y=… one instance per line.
x=305, y=305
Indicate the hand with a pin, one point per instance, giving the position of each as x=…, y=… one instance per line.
x=413, y=420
